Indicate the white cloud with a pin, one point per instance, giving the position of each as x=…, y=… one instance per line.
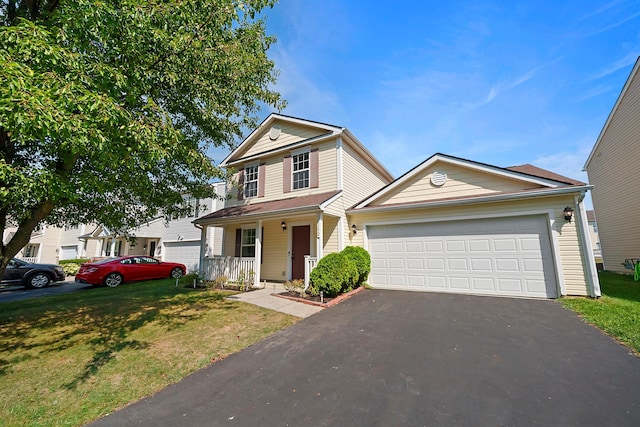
x=624, y=62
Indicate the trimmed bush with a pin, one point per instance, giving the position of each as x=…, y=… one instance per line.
x=71, y=266
x=362, y=260
x=334, y=274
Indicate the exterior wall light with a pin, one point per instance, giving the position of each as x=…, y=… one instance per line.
x=354, y=229
x=283, y=225
x=568, y=213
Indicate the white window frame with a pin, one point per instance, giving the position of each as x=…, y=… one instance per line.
x=244, y=243
x=301, y=170
x=251, y=176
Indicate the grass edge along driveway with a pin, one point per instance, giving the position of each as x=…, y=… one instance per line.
x=617, y=312
x=69, y=359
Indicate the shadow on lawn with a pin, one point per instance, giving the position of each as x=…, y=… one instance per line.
x=104, y=320
x=619, y=286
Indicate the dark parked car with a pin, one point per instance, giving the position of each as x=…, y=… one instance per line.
x=20, y=272
x=114, y=271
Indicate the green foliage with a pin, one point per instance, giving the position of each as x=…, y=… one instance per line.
x=108, y=109
x=362, y=260
x=334, y=274
x=71, y=266
x=73, y=261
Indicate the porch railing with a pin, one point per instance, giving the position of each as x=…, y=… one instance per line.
x=30, y=259
x=309, y=264
x=231, y=267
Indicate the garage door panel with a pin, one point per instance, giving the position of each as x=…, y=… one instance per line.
x=184, y=252
x=506, y=256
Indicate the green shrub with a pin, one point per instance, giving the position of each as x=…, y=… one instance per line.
x=334, y=274
x=362, y=260
x=73, y=261
x=70, y=268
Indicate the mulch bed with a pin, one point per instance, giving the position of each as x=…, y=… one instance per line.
x=315, y=300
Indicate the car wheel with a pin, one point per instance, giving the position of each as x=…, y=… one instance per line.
x=38, y=280
x=113, y=279
x=176, y=273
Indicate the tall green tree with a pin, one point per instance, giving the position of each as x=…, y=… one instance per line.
x=108, y=107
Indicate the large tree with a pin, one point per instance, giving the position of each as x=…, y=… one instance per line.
x=108, y=107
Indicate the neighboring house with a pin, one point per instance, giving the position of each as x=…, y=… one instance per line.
x=595, y=239
x=448, y=225
x=613, y=168
x=295, y=179
x=174, y=240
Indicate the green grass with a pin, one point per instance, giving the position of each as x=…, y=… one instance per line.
x=66, y=360
x=617, y=312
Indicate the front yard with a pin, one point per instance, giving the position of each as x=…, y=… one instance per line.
x=617, y=312
x=69, y=359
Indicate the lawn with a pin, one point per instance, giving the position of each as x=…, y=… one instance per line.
x=69, y=359
x=617, y=312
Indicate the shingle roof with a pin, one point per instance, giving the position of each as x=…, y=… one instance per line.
x=299, y=202
x=543, y=173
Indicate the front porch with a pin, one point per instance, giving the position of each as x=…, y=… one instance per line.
x=273, y=241
x=242, y=269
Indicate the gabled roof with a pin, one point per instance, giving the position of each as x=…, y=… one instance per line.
x=526, y=173
x=281, y=206
x=331, y=131
x=626, y=86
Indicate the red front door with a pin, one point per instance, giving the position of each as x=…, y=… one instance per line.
x=300, y=247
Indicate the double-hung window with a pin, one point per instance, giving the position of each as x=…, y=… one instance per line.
x=248, y=245
x=300, y=170
x=251, y=181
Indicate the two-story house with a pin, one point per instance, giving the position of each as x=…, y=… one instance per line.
x=294, y=181
x=305, y=189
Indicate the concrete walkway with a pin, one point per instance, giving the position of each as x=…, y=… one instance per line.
x=264, y=298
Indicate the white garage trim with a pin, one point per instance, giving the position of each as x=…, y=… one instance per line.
x=532, y=273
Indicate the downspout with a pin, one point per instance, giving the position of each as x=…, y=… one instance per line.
x=583, y=225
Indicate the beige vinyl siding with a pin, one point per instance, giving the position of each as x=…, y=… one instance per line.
x=48, y=242
x=359, y=179
x=274, y=182
x=274, y=264
x=290, y=134
x=330, y=230
x=567, y=235
x=460, y=182
x=613, y=172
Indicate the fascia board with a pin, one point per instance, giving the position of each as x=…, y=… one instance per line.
x=625, y=88
x=546, y=192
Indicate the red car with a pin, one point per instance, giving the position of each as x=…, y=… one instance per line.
x=114, y=271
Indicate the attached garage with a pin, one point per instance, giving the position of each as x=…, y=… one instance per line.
x=509, y=256
x=458, y=226
x=69, y=252
x=184, y=252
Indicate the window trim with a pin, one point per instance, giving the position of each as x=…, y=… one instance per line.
x=248, y=245
x=306, y=151
x=255, y=166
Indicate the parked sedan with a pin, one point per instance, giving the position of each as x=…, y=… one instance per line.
x=114, y=271
x=19, y=272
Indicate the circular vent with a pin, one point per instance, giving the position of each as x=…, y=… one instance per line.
x=438, y=179
x=274, y=133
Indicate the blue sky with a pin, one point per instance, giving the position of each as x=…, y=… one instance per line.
x=500, y=82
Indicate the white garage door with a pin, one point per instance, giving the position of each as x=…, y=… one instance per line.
x=503, y=256
x=69, y=252
x=187, y=253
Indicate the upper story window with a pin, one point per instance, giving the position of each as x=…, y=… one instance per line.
x=300, y=170
x=251, y=181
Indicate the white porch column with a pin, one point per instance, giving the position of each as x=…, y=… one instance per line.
x=319, y=235
x=258, y=257
x=203, y=245
x=112, y=251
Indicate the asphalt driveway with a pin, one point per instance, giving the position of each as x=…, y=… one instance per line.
x=385, y=358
